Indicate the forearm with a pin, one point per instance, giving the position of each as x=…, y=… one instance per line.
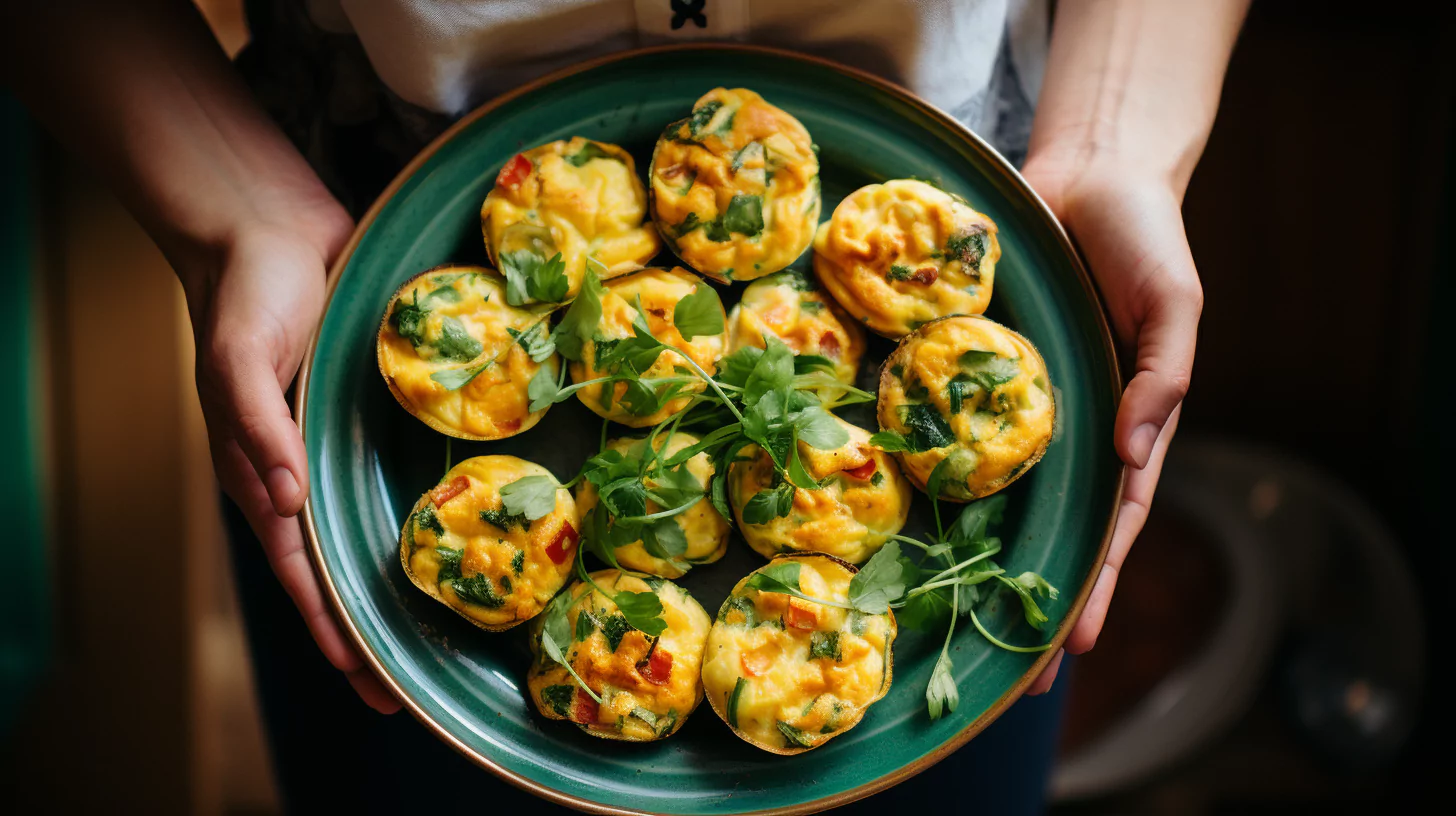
x=1133, y=83
x=143, y=93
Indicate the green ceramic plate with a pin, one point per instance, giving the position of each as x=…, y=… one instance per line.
x=370, y=460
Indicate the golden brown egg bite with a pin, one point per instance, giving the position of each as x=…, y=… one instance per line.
x=462, y=548
x=658, y=291
x=788, y=306
x=576, y=197
x=865, y=501
x=900, y=254
x=704, y=528
x=735, y=186
x=787, y=674
x=972, y=393
x=460, y=358
x=648, y=685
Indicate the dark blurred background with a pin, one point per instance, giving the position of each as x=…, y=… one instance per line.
x=1272, y=640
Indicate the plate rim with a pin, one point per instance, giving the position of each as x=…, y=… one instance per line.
x=870, y=787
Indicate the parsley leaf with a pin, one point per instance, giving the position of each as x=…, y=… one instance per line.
x=591, y=151
x=969, y=248
x=580, y=321
x=941, y=695
x=532, y=278
x=643, y=610
x=767, y=505
x=1027, y=586
x=478, y=589
x=664, y=539
x=878, y=582
x=530, y=496
x=779, y=576
x=890, y=442
x=825, y=645
x=536, y=340
x=699, y=314
x=818, y=428
x=555, y=631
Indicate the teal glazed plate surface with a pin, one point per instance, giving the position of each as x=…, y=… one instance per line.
x=370, y=460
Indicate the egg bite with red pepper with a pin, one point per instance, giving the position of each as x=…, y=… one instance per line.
x=788, y=674
x=864, y=502
x=973, y=394
x=657, y=292
x=704, y=529
x=788, y=306
x=577, y=197
x=464, y=549
x=900, y=254
x=735, y=186
x=459, y=358
x=647, y=685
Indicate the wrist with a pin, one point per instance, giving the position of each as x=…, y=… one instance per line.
x=1064, y=175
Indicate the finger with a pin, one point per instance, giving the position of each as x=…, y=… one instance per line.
x=1043, y=683
x=372, y=692
x=1165, y=344
x=242, y=371
x=1137, y=498
x=282, y=540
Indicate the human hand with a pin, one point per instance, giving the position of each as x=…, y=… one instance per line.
x=254, y=305
x=1129, y=226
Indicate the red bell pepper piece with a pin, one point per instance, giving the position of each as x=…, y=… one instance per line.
x=584, y=709
x=862, y=472
x=515, y=172
x=829, y=344
x=560, y=548
x=440, y=494
x=656, y=668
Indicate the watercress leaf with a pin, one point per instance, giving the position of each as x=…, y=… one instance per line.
x=699, y=314
x=531, y=277
x=643, y=610
x=736, y=367
x=941, y=695
x=926, y=611
x=625, y=497
x=878, y=583
x=818, y=428
x=767, y=505
x=773, y=371
x=779, y=576
x=530, y=496
x=541, y=390
x=580, y=321
x=1028, y=586
x=664, y=539
x=677, y=485
x=797, y=474
x=536, y=340
x=807, y=363
x=455, y=379
x=969, y=528
x=889, y=441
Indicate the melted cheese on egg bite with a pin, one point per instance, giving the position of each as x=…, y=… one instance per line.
x=968, y=390
x=578, y=197
x=461, y=548
x=788, y=306
x=900, y=254
x=865, y=502
x=658, y=291
x=449, y=323
x=705, y=530
x=735, y=186
x=787, y=674
x=648, y=685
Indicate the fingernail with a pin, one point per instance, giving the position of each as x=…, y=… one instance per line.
x=282, y=488
x=1143, y=439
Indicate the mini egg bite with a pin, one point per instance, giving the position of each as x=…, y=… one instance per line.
x=788, y=306
x=452, y=322
x=735, y=186
x=787, y=674
x=900, y=254
x=460, y=547
x=578, y=197
x=971, y=392
x=866, y=501
x=648, y=685
x=659, y=291
x=705, y=530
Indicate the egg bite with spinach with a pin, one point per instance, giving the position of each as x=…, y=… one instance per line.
x=788, y=306
x=647, y=685
x=459, y=357
x=577, y=198
x=657, y=292
x=735, y=186
x=787, y=674
x=705, y=530
x=864, y=501
x=900, y=254
x=461, y=546
x=972, y=394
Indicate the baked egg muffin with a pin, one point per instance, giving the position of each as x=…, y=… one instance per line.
x=459, y=357
x=972, y=393
x=576, y=197
x=864, y=503
x=462, y=548
x=658, y=292
x=787, y=674
x=648, y=685
x=735, y=186
x=705, y=530
x=788, y=306
x=900, y=254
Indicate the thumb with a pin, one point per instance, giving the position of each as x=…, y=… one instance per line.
x=243, y=377
x=1165, y=344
